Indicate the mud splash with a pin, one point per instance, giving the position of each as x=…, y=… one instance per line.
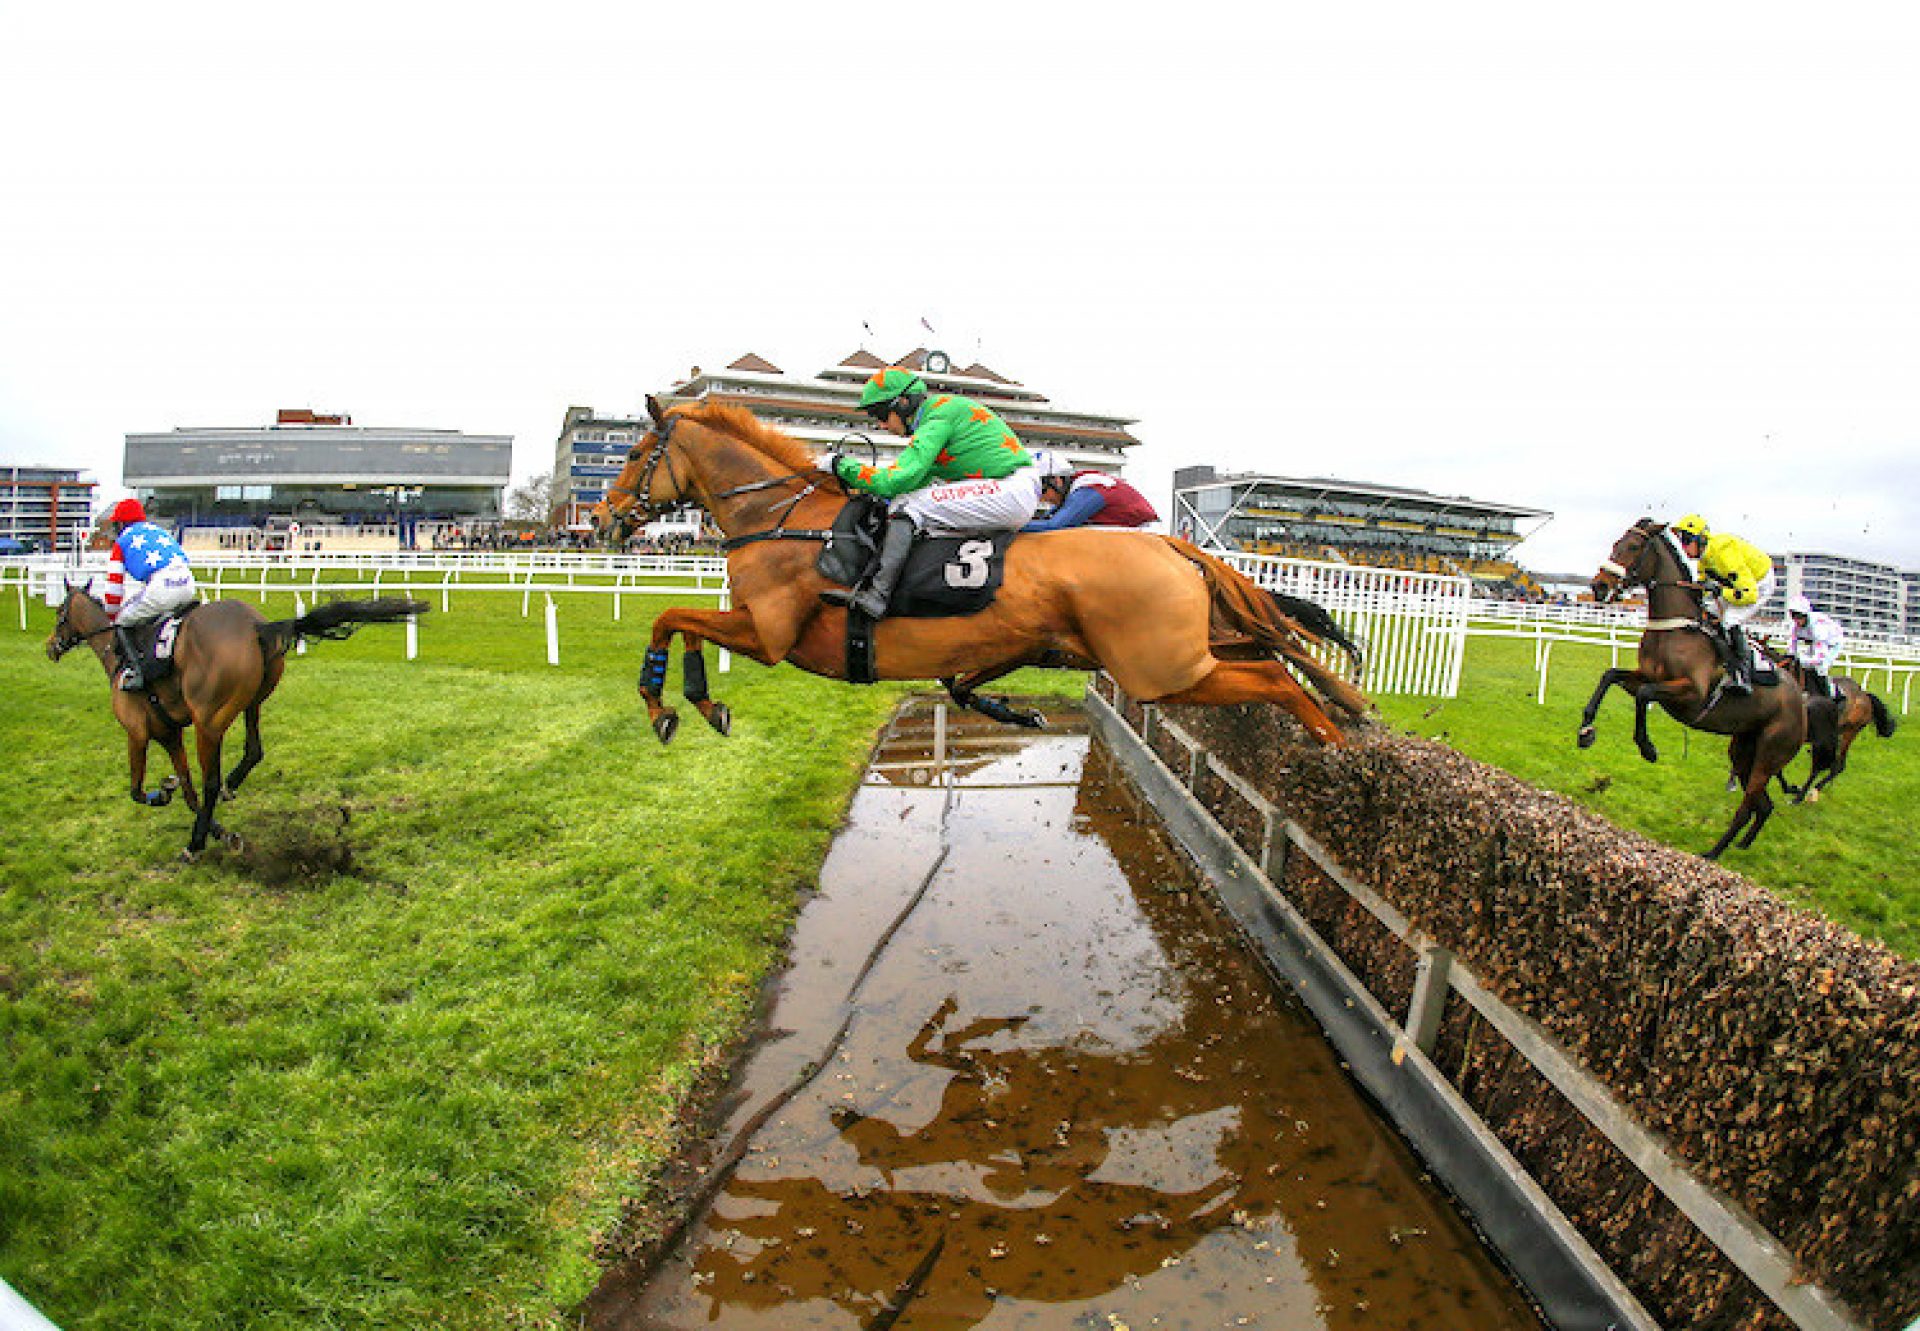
x=1068, y=1097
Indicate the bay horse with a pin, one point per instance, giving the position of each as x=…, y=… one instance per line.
x=1168, y=622
x=1679, y=668
x=227, y=659
x=1832, y=726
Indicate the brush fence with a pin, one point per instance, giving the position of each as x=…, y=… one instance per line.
x=1668, y=1099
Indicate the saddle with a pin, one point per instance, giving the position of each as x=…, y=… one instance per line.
x=153, y=642
x=945, y=575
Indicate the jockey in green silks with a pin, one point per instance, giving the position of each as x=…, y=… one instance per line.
x=963, y=471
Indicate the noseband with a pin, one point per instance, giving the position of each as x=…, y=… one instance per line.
x=662, y=437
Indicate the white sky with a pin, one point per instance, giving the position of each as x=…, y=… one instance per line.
x=1643, y=258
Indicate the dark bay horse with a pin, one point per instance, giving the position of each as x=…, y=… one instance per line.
x=1679, y=668
x=227, y=659
x=1170, y=624
x=1832, y=726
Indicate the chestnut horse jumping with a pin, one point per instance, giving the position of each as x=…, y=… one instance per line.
x=1833, y=724
x=1168, y=622
x=227, y=658
x=1678, y=668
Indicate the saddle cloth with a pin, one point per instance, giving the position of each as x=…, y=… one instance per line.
x=945, y=575
x=154, y=641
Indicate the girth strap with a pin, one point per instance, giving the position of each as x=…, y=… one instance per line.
x=733, y=543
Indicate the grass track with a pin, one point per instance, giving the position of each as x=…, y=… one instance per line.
x=400, y=1062
x=410, y=1093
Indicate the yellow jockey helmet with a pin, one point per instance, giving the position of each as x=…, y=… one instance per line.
x=1692, y=525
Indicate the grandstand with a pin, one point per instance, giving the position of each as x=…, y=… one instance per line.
x=319, y=482
x=1355, y=523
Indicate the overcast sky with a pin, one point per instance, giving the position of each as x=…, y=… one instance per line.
x=1651, y=258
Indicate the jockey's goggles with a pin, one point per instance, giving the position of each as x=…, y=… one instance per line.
x=880, y=410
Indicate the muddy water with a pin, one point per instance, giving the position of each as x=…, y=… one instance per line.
x=1068, y=1097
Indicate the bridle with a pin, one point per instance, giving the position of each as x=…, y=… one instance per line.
x=65, y=639
x=1635, y=576
x=661, y=439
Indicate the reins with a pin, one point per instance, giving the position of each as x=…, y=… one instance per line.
x=643, y=495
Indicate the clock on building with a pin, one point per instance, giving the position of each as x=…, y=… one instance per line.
x=938, y=363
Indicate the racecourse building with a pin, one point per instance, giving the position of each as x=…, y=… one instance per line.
x=1865, y=596
x=587, y=457
x=319, y=472
x=44, y=508
x=824, y=409
x=1351, y=522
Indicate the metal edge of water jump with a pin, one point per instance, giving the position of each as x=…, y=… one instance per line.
x=1575, y=1288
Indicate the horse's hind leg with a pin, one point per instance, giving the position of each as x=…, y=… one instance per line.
x=207, y=741
x=1259, y=681
x=961, y=688
x=249, y=759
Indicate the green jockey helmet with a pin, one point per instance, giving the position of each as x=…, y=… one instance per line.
x=889, y=385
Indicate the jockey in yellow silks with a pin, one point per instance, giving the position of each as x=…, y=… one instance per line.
x=963, y=470
x=1739, y=578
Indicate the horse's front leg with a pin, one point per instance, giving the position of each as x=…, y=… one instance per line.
x=693, y=685
x=137, y=774
x=731, y=629
x=1630, y=680
x=1644, y=697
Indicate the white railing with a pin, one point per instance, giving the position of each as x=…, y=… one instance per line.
x=1412, y=625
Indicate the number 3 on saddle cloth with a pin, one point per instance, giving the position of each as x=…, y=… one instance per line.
x=945, y=575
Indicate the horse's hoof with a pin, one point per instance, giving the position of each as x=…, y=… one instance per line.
x=232, y=841
x=665, y=725
x=1812, y=797
x=1650, y=753
x=226, y=792
x=720, y=717
x=171, y=784
x=1586, y=737
x=189, y=855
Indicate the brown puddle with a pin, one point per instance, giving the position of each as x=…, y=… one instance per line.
x=1068, y=1097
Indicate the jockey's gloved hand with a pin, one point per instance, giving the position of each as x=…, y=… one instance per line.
x=843, y=467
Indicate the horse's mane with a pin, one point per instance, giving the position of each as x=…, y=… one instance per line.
x=741, y=424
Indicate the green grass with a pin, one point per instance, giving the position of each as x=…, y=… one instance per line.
x=399, y=1062
x=1852, y=856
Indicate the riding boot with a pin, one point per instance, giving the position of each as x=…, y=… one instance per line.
x=1739, y=661
x=129, y=679
x=875, y=594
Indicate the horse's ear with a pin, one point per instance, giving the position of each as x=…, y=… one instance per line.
x=655, y=412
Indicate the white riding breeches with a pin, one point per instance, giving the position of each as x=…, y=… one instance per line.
x=949, y=507
x=169, y=589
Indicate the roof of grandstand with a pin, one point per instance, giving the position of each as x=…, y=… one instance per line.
x=1329, y=485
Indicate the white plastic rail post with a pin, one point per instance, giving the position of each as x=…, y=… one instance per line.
x=553, y=632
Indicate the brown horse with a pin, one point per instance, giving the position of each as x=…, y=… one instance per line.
x=1149, y=613
x=1832, y=726
x=227, y=658
x=1679, y=668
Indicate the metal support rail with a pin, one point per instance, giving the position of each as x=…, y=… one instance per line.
x=1390, y=1057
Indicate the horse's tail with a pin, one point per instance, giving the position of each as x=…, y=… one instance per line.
x=1287, y=626
x=1883, y=721
x=335, y=620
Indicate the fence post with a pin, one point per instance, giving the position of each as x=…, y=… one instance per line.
x=299, y=609
x=1435, y=964
x=413, y=636
x=553, y=633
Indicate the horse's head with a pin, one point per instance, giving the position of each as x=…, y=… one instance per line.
x=81, y=617
x=1627, y=564
x=644, y=486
